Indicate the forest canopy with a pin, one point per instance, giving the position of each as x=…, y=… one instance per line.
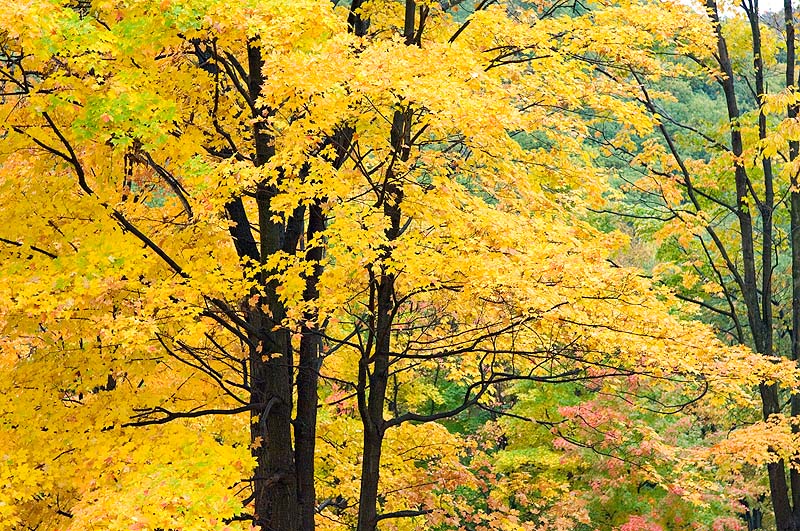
x=398, y=264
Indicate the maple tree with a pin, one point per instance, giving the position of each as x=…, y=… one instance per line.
x=258, y=254
x=722, y=193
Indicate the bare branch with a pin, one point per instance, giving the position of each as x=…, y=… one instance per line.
x=169, y=416
x=408, y=513
x=32, y=247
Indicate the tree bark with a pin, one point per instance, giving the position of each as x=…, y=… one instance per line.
x=382, y=295
x=274, y=479
x=794, y=214
x=308, y=379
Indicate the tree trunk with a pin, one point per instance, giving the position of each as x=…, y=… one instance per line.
x=307, y=380
x=382, y=292
x=274, y=479
x=372, y=417
x=374, y=368
x=759, y=306
x=794, y=214
x=370, y=475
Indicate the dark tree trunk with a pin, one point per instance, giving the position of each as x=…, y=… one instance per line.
x=753, y=517
x=747, y=284
x=274, y=479
x=766, y=207
x=283, y=482
x=358, y=25
x=310, y=354
x=307, y=380
x=372, y=416
x=376, y=367
x=370, y=467
x=757, y=299
x=794, y=214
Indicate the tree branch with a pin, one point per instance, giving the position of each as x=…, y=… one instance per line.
x=407, y=513
x=173, y=415
x=32, y=247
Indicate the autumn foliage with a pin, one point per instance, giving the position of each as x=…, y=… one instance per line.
x=285, y=265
